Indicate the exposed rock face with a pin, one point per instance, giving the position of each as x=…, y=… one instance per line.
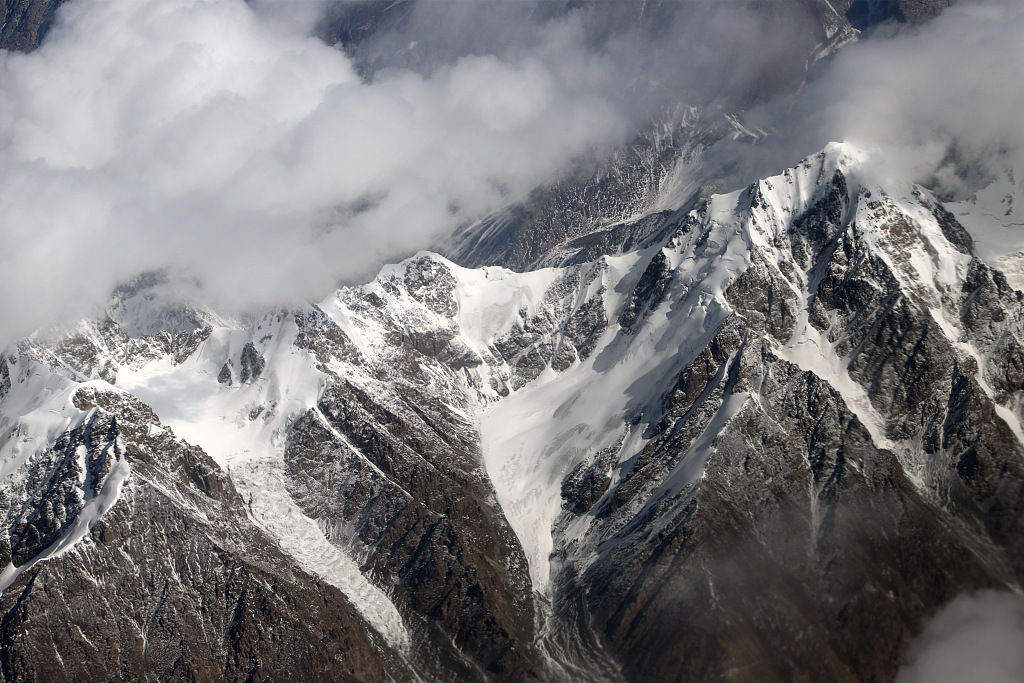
x=350, y=23
x=760, y=436
x=804, y=522
x=389, y=463
x=173, y=582
x=625, y=200
x=768, y=446
x=594, y=211
x=407, y=484
x=866, y=13
x=800, y=526
x=25, y=22
x=649, y=293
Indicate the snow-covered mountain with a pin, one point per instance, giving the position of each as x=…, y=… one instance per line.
x=776, y=435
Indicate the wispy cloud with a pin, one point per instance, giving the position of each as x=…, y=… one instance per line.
x=216, y=140
x=940, y=100
x=200, y=136
x=976, y=637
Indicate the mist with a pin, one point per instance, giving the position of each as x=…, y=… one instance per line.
x=217, y=142
x=936, y=103
x=976, y=637
x=223, y=143
x=257, y=166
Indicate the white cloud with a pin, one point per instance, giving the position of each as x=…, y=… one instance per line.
x=976, y=637
x=942, y=99
x=212, y=138
x=204, y=137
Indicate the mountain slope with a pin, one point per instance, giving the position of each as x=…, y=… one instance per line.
x=767, y=446
x=173, y=581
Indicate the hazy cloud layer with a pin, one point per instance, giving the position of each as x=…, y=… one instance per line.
x=665, y=51
x=941, y=101
x=975, y=638
x=214, y=140
x=148, y=134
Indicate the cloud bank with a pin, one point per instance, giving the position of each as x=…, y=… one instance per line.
x=202, y=137
x=975, y=638
x=941, y=100
x=215, y=140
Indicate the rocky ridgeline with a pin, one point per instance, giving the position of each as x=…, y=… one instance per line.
x=777, y=439
x=813, y=538
x=172, y=582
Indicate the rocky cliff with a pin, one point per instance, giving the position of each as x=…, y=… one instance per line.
x=766, y=445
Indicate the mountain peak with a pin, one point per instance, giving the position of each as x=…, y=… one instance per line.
x=589, y=445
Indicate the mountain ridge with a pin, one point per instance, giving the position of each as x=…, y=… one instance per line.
x=537, y=475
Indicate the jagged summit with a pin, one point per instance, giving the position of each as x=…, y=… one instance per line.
x=153, y=303
x=780, y=434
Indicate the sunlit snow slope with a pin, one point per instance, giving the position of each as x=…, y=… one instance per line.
x=532, y=473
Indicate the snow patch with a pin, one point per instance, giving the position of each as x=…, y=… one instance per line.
x=995, y=218
x=243, y=428
x=87, y=517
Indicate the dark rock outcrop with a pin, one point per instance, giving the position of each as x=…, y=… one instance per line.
x=769, y=447
x=400, y=472
x=864, y=14
x=173, y=582
x=25, y=22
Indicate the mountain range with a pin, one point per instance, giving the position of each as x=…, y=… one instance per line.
x=632, y=427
